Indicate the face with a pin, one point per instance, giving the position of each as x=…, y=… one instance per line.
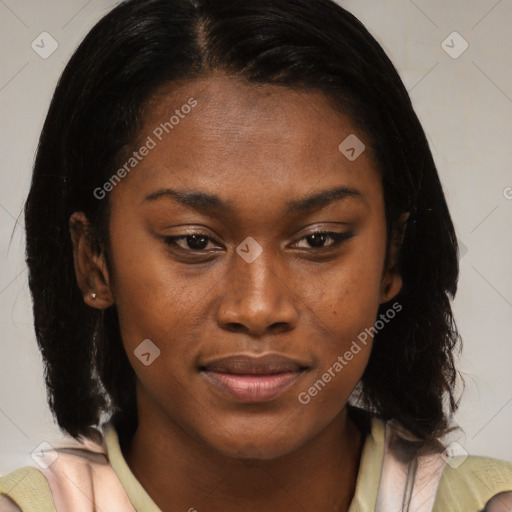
x=214, y=254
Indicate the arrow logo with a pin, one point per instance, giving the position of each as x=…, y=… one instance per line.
x=44, y=454
x=147, y=352
x=44, y=45
x=352, y=147
x=454, y=45
x=249, y=249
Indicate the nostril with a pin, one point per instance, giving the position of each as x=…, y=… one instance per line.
x=279, y=327
x=236, y=327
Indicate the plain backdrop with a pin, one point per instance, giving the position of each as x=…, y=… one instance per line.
x=464, y=101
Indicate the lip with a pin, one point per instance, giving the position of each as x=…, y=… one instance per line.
x=242, y=364
x=253, y=379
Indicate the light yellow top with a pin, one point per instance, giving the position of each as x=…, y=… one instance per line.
x=466, y=488
x=366, y=486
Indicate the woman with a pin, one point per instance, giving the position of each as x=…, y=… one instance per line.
x=241, y=260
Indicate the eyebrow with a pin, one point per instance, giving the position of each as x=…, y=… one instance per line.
x=204, y=202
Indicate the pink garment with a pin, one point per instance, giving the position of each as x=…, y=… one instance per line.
x=86, y=483
x=408, y=483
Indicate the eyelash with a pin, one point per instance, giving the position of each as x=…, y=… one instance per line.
x=338, y=238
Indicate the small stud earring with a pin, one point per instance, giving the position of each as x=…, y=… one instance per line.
x=94, y=295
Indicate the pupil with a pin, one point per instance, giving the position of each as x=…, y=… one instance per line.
x=316, y=238
x=196, y=244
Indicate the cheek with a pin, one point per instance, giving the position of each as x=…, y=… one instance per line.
x=150, y=297
x=327, y=389
x=344, y=318
x=349, y=294
x=345, y=308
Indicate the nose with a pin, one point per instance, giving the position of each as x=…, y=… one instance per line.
x=257, y=298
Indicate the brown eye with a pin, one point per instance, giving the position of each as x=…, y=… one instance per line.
x=318, y=239
x=193, y=242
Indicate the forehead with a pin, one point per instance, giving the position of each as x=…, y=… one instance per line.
x=247, y=137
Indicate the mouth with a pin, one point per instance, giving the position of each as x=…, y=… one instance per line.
x=249, y=379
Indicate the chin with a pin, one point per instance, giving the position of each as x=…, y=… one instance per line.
x=256, y=447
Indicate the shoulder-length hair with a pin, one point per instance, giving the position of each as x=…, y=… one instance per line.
x=96, y=113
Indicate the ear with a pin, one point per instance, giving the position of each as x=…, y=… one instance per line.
x=90, y=268
x=392, y=279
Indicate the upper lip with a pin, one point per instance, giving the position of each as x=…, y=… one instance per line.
x=250, y=365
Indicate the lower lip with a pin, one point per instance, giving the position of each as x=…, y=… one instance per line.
x=253, y=388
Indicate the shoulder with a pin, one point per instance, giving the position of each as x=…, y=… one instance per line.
x=471, y=481
x=25, y=489
x=461, y=483
x=42, y=486
x=74, y=475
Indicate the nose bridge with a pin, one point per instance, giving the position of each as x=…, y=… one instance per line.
x=256, y=282
x=256, y=295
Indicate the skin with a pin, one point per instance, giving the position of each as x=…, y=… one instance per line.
x=256, y=147
x=501, y=502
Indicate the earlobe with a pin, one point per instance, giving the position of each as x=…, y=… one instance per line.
x=90, y=268
x=392, y=280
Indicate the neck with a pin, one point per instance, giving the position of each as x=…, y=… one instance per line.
x=181, y=474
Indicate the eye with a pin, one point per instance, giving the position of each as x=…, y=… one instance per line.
x=199, y=241
x=194, y=241
x=317, y=239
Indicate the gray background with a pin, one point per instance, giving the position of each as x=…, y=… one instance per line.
x=465, y=105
